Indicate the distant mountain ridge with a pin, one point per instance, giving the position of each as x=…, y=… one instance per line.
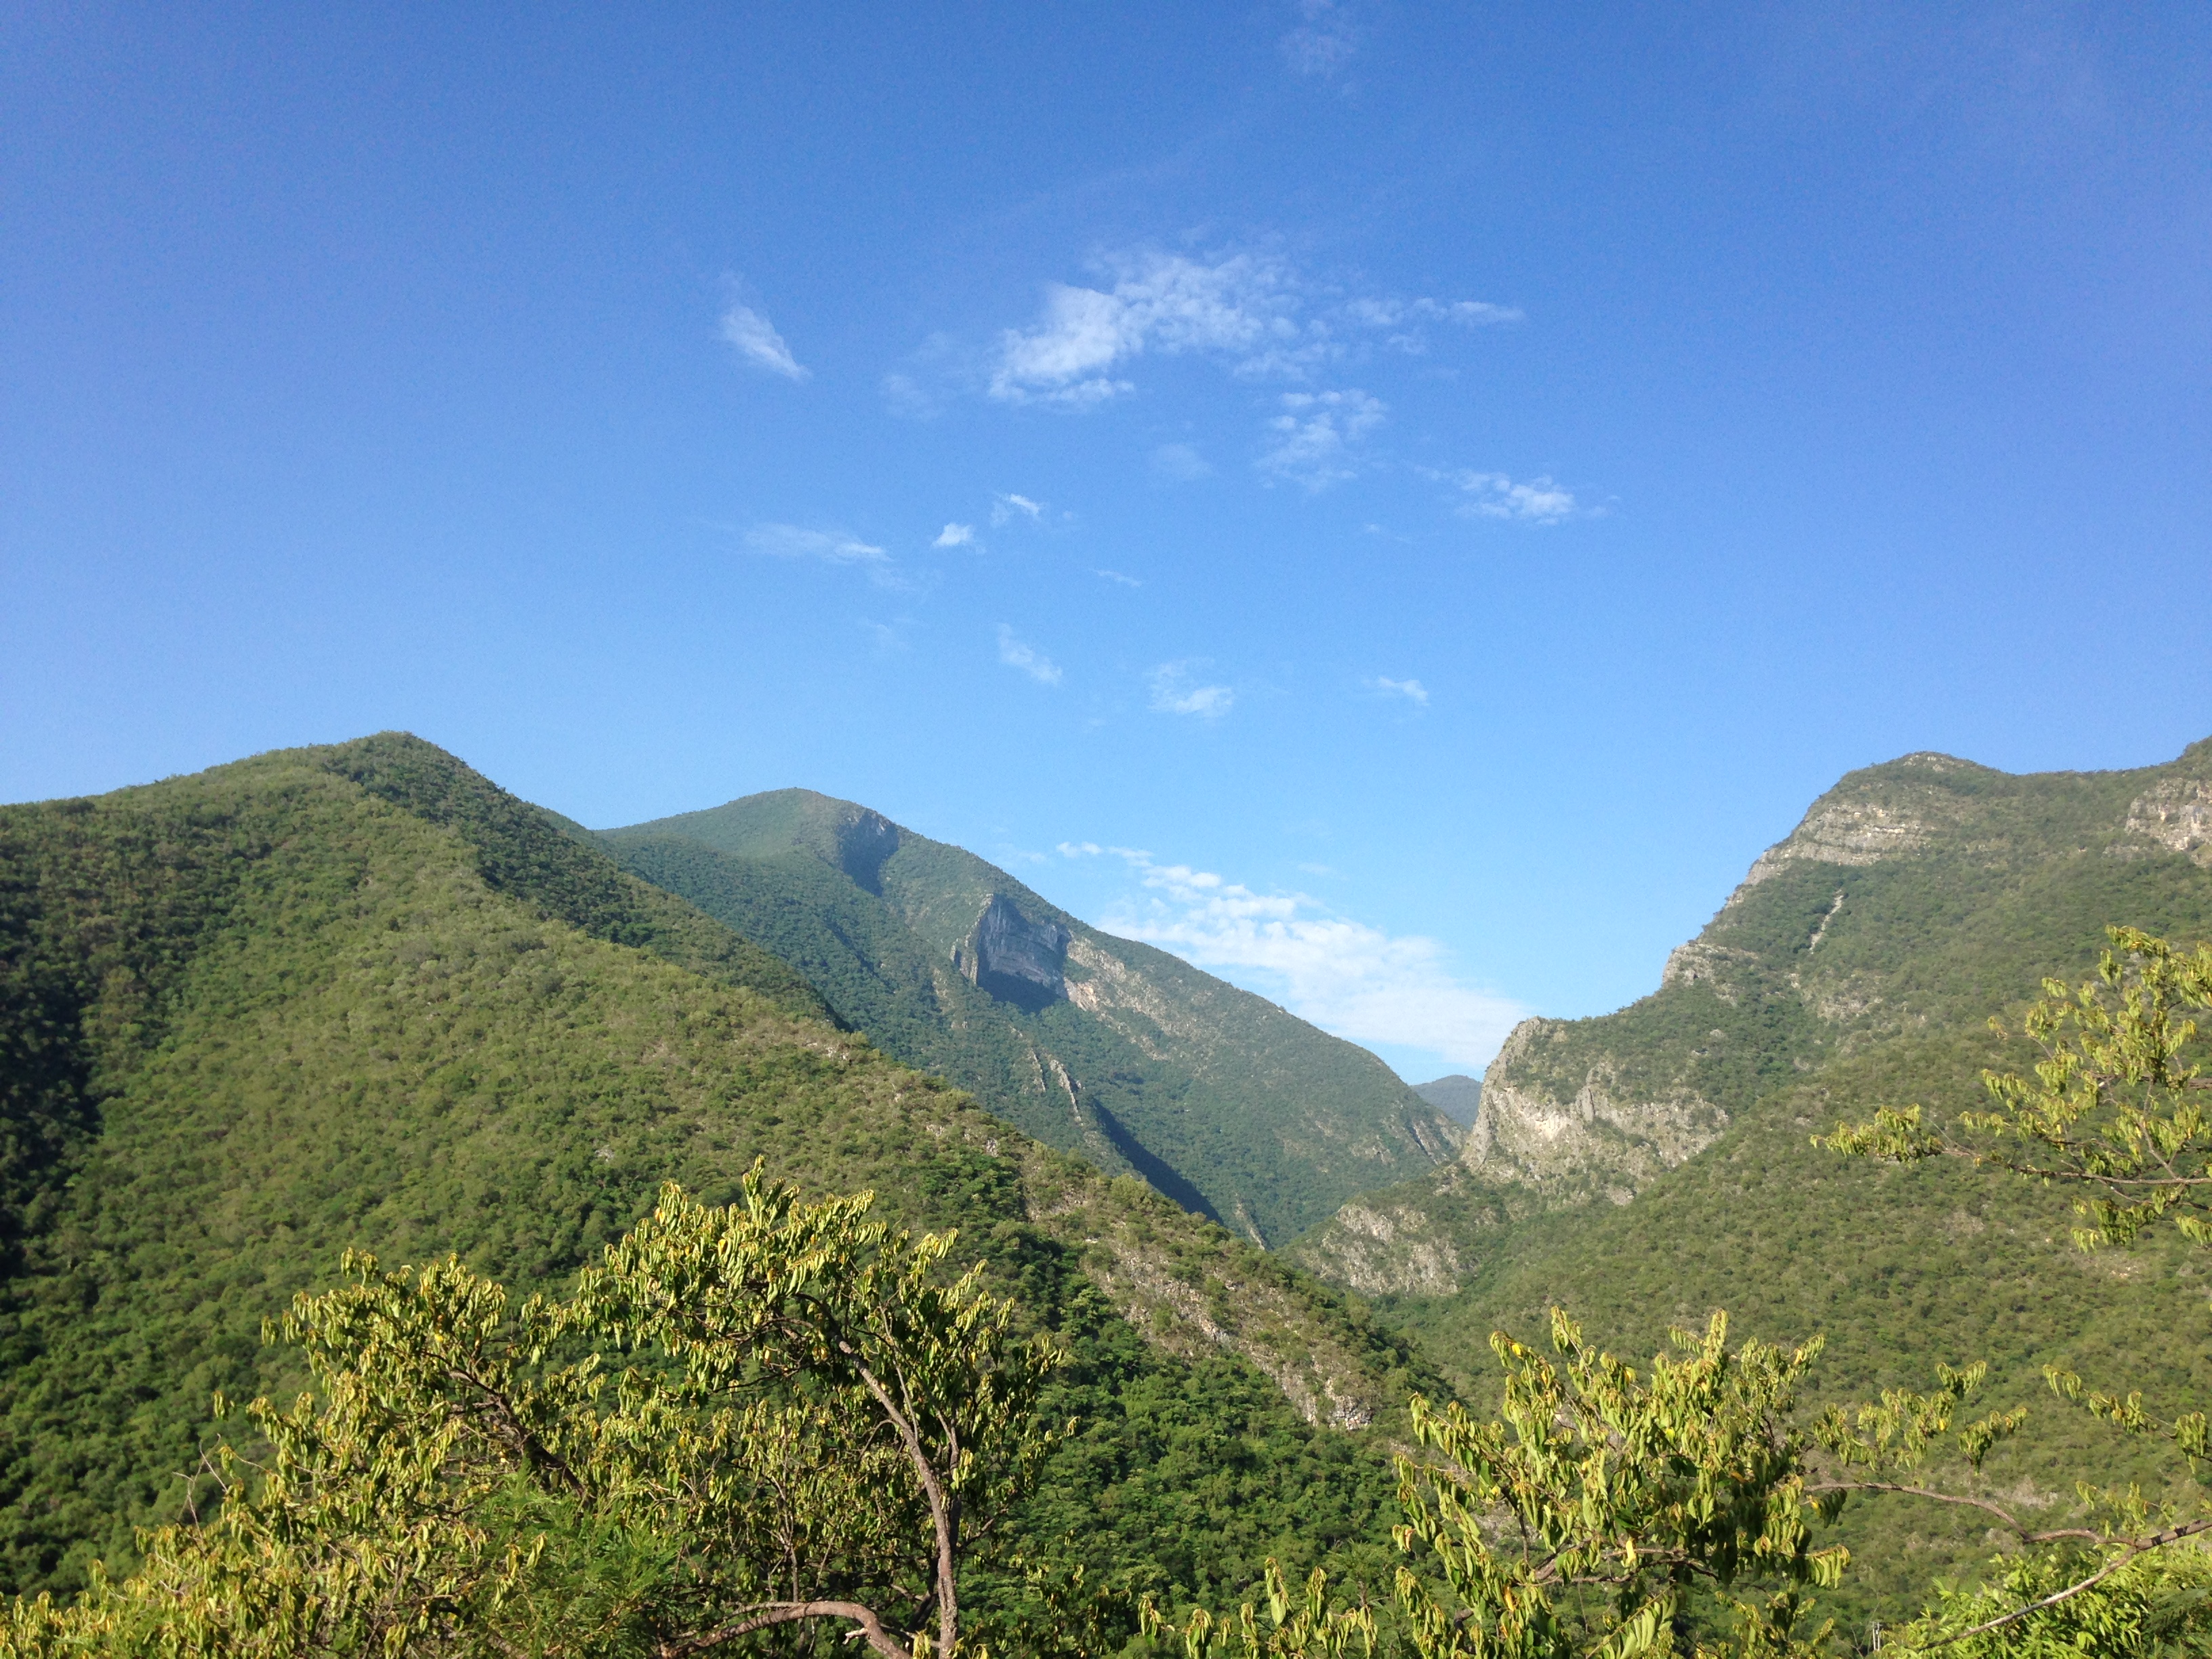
x=1457, y=1096
x=1649, y=1166
x=1099, y=1045
x=1914, y=896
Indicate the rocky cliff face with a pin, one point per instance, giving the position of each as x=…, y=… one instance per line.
x=1013, y=958
x=1606, y=1138
x=2175, y=813
x=1597, y=1110
x=863, y=840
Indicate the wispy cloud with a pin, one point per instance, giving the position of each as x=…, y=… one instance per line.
x=1401, y=321
x=758, y=343
x=1532, y=500
x=1344, y=976
x=1159, y=302
x=1176, y=690
x=955, y=535
x=1179, y=464
x=1396, y=313
x=1313, y=436
x=1411, y=690
x=1117, y=578
x=1325, y=40
x=791, y=541
x=1027, y=658
x=1007, y=510
x=1253, y=312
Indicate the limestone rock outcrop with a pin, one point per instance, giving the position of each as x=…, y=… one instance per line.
x=1013, y=958
x=2177, y=814
x=1602, y=1139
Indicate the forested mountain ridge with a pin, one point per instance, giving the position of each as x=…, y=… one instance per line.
x=1101, y=1045
x=1915, y=897
x=1856, y=966
x=357, y=996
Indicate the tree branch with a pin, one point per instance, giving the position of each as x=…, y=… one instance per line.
x=940, y=1512
x=765, y=1614
x=2133, y=1548
x=1983, y=1504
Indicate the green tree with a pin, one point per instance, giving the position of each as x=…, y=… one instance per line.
x=1582, y=1520
x=774, y=1414
x=2114, y=1109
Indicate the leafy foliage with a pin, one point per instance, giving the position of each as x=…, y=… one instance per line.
x=2115, y=1109
x=2111, y=1113
x=1305, y=1625
x=1626, y=1489
x=2153, y=1606
x=768, y=1413
x=1602, y=1513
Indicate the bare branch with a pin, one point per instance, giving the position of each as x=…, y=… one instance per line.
x=1983, y=1503
x=940, y=1510
x=764, y=1614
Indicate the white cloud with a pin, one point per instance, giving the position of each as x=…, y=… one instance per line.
x=904, y=395
x=1253, y=312
x=1346, y=976
x=1027, y=658
x=758, y=342
x=1161, y=302
x=1494, y=496
x=1179, y=464
x=955, y=535
x=1116, y=577
x=1406, y=318
x=791, y=541
x=1481, y=312
x=1411, y=690
x=1397, y=313
x=1325, y=39
x=1313, y=436
x=1174, y=692
x=1004, y=509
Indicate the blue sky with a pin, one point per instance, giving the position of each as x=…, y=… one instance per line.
x=1399, y=503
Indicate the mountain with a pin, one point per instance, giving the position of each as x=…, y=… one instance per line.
x=1915, y=899
x=1457, y=1096
x=358, y=996
x=1646, y=1167
x=1122, y=1054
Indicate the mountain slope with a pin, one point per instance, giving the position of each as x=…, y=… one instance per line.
x=1856, y=966
x=1101, y=1045
x=1916, y=897
x=257, y=1016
